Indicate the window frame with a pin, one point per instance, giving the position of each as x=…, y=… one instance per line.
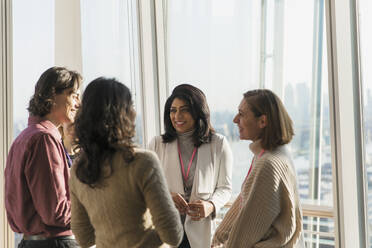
x=149, y=72
x=344, y=93
x=277, y=87
x=6, y=114
x=359, y=75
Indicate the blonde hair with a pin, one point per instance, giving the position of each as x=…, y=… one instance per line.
x=279, y=128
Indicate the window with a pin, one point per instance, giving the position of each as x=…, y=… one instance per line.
x=224, y=48
x=110, y=46
x=303, y=86
x=214, y=45
x=33, y=53
x=365, y=36
x=228, y=47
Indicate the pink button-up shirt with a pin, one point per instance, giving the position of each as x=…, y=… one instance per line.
x=37, y=199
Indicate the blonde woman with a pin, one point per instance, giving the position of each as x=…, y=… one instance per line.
x=267, y=212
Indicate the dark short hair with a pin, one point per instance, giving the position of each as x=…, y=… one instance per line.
x=279, y=129
x=199, y=110
x=51, y=83
x=104, y=124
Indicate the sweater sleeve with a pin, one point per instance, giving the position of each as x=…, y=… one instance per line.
x=80, y=223
x=222, y=192
x=223, y=230
x=158, y=200
x=260, y=209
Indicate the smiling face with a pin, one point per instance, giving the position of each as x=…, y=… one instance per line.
x=65, y=106
x=180, y=116
x=250, y=127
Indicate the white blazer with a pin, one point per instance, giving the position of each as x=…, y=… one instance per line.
x=212, y=181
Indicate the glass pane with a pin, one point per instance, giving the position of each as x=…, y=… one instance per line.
x=365, y=36
x=305, y=87
x=33, y=53
x=214, y=45
x=270, y=23
x=319, y=232
x=217, y=45
x=110, y=46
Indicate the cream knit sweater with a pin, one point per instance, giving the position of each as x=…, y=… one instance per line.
x=115, y=214
x=267, y=212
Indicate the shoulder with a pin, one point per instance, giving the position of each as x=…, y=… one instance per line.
x=277, y=162
x=32, y=138
x=280, y=156
x=218, y=139
x=219, y=142
x=32, y=134
x=155, y=143
x=145, y=156
x=145, y=160
x=145, y=165
x=142, y=158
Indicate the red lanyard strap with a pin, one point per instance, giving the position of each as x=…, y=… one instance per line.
x=246, y=178
x=250, y=168
x=185, y=177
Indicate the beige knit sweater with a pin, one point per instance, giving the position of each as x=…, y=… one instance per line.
x=267, y=212
x=114, y=214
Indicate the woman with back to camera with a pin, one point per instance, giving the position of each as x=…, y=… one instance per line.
x=197, y=163
x=112, y=182
x=267, y=212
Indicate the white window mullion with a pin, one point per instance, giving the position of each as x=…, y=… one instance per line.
x=161, y=37
x=134, y=64
x=263, y=44
x=6, y=117
x=278, y=86
x=149, y=69
x=345, y=125
x=68, y=52
x=316, y=102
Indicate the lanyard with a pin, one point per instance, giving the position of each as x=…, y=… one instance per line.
x=246, y=178
x=69, y=160
x=259, y=155
x=189, y=165
x=250, y=168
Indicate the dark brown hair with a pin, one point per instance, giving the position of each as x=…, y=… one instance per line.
x=279, y=128
x=51, y=83
x=199, y=110
x=104, y=125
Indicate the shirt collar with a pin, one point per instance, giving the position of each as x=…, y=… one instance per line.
x=255, y=147
x=33, y=120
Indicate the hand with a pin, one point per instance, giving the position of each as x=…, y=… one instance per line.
x=200, y=209
x=180, y=203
